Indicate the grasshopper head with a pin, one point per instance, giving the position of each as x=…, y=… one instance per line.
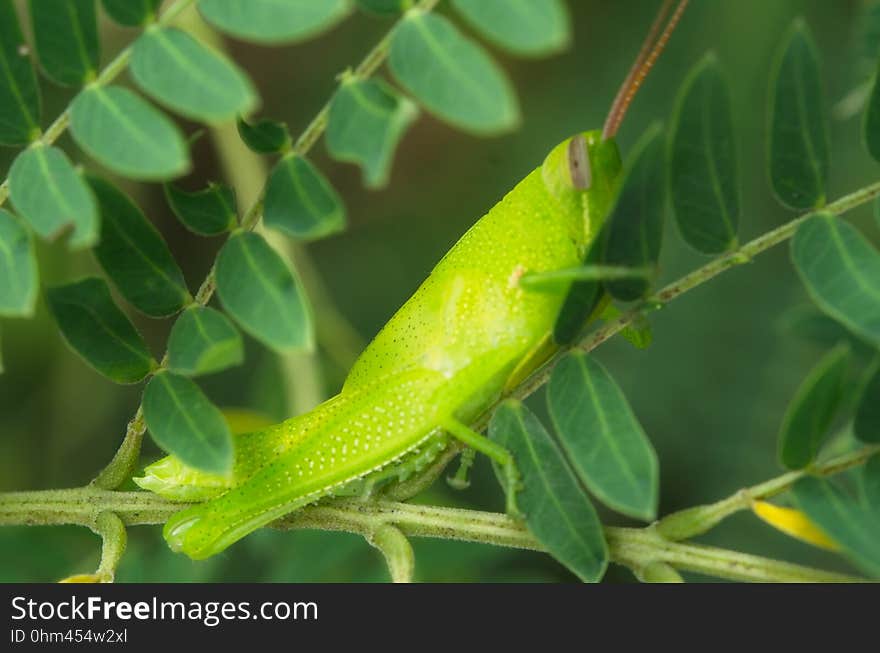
x=581, y=173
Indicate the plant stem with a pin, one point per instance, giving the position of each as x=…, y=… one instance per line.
x=634, y=548
x=110, y=72
x=124, y=461
x=691, y=522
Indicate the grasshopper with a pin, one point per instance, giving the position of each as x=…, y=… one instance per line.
x=469, y=333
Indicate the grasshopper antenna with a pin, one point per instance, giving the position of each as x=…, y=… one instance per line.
x=647, y=57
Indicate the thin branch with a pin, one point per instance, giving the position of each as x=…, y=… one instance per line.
x=691, y=522
x=633, y=548
x=397, y=551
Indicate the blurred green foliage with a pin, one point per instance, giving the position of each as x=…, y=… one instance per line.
x=710, y=391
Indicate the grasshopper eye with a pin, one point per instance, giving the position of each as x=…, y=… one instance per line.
x=579, y=163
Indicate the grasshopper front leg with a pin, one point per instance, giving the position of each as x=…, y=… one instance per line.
x=494, y=451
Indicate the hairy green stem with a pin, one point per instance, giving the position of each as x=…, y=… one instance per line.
x=110, y=72
x=691, y=522
x=638, y=549
x=396, y=549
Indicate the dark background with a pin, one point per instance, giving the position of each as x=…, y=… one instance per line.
x=710, y=391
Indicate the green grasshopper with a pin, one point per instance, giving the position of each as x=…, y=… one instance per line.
x=469, y=333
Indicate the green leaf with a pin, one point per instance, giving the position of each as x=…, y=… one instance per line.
x=274, y=21
x=531, y=28
x=19, y=279
x=66, y=35
x=557, y=510
x=798, y=145
x=871, y=120
x=811, y=325
x=265, y=136
x=134, y=255
x=703, y=173
x=382, y=7
x=301, y=202
x=367, y=120
x=811, y=411
x=203, y=341
x=190, y=78
x=50, y=195
x=635, y=222
x=852, y=524
x=258, y=289
x=841, y=271
x=452, y=75
x=866, y=424
x=207, y=212
x=124, y=132
x=19, y=94
x=184, y=422
x=98, y=331
x=133, y=13
x=603, y=439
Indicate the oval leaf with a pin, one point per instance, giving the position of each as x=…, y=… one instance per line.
x=271, y=21
x=19, y=278
x=301, y=202
x=190, y=78
x=265, y=136
x=125, y=133
x=635, y=222
x=132, y=13
x=854, y=526
x=841, y=271
x=367, y=120
x=798, y=143
x=811, y=411
x=603, y=439
x=207, y=212
x=382, y=7
x=258, y=289
x=866, y=424
x=186, y=424
x=134, y=255
x=98, y=331
x=66, y=35
x=50, y=195
x=813, y=326
x=452, y=75
x=531, y=28
x=203, y=341
x=557, y=511
x=19, y=94
x=703, y=173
